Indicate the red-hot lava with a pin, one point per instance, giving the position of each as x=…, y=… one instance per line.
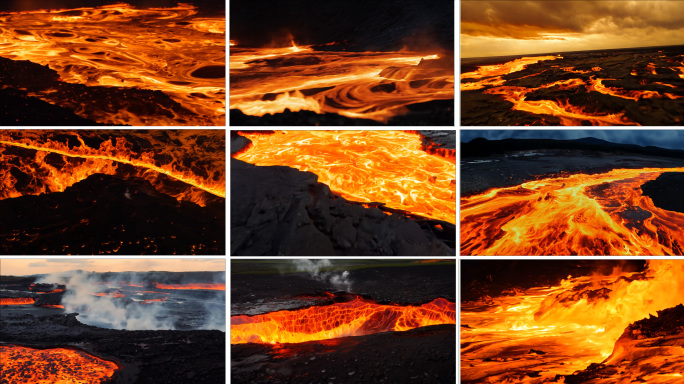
x=389, y=167
x=182, y=160
x=166, y=49
x=17, y=301
x=369, y=85
x=354, y=318
x=601, y=214
x=193, y=286
x=530, y=336
x=22, y=365
x=55, y=306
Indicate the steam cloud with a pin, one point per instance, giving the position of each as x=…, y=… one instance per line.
x=340, y=281
x=111, y=312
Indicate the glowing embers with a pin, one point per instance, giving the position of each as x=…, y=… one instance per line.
x=54, y=160
x=166, y=49
x=354, y=318
x=601, y=214
x=532, y=335
x=17, y=301
x=369, y=85
x=389, y=167
x=52, y=366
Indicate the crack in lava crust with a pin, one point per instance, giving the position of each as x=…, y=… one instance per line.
x=355, y=318
x=52, y=366
x=602, y=214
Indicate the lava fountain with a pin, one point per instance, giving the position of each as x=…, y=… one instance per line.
x=390, y=167
x=600, y=214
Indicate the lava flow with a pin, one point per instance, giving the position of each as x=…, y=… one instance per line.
x=52, y=161
x=389, y=167
x=166, y=49
x=52, y=366
x=538, y=335
x=354, y=318
x=601, y=214
x=368, y=85
x=17, y=301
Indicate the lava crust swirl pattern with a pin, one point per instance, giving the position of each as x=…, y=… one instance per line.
x=53, y=366
x=601, y=214
x=186, y=164
x=354, y=318
x=167, y=49
x=389, y=167
x=368, y=85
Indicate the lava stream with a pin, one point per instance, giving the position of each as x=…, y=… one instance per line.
x=22, y=365
x=17, y=301
x=354, y=318
x=601, y=214
x=390, y=167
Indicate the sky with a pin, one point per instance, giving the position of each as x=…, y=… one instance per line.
x=671, y=139
x=24, y=267
x=518, y=27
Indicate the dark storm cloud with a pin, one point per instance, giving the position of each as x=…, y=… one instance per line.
x=526, y=19
x=671, y=139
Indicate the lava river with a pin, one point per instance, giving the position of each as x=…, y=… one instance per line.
x=601, y=214
x=545, y=334
x=172, y=50
x=389, y=167
x=368, y=85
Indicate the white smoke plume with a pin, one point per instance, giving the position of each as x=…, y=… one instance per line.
x=340, y=281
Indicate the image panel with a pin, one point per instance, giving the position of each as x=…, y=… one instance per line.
x=571, y=321
x=340, y=62
x=318, y=193
x=108, y=62
x=572, y=63
x=112, y=320
x=343, y=321
x=125, y=192
x=572, y=192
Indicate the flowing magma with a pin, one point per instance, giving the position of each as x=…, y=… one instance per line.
x=353, y=318
x=368, y=85
x=53, y=366
x=530, y=336
x=600, y=214
x=166, y=49
x=17, y=300
x=389, y=167
x=56, y=159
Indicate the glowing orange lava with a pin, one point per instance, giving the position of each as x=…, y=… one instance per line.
x=365, y=166
x=601, y=214
x=179, y=162
x=193, y=286
x=55, y=306
x=369, y=85
x=52, y=366
x=166, y=49
x=17, y=301
x=561, y=329
x=354, y=318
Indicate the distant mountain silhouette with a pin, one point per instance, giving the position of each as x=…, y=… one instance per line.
x=481, y=147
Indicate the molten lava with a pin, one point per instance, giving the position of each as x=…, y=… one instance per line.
x=369, y=85
x=22, y=365
x=354, y=318
x=530, y=336
x=601, y=214
x=390, y=167
x=199, y=167
x=192, y=286
x=17, y=301
x=166, y=49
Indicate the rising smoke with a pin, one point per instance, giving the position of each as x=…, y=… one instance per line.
x=340, y=281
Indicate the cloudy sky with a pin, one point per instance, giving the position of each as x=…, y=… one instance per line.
x=672, y=139
x=518, y=27
x=22, y=267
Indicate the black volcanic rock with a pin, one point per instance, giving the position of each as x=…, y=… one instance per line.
x=666, y=191
x=107, y=214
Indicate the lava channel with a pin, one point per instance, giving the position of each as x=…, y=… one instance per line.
x=353, y=318
x=22, y=365
x=389, y=167
x=601, y=214
x=17, y=301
